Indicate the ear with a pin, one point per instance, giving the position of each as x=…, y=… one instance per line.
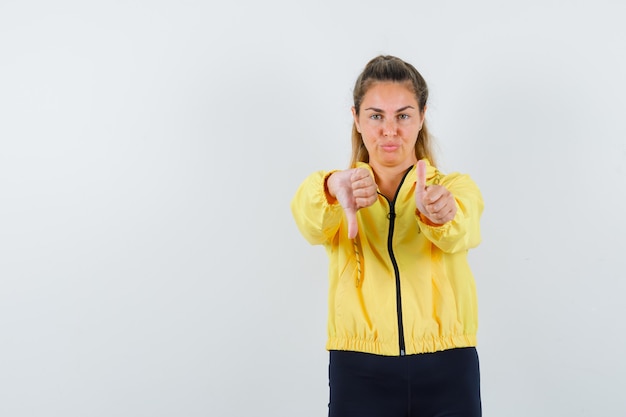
x=356, y=119
x=423, y=116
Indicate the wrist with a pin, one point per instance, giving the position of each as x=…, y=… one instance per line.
x=424, y=219
x=330, y=196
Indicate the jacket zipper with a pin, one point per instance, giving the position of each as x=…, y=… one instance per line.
x=392, y=221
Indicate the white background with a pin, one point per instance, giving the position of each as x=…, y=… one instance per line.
x=149, y=151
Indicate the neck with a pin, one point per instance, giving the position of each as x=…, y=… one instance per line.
x=388, y=178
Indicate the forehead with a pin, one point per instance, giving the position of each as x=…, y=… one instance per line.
x=389, y=94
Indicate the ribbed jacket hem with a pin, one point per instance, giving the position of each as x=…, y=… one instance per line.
x=425, y=345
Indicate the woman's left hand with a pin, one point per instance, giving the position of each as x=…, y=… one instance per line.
x=435, y=202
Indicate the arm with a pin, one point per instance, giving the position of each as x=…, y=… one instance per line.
x=317, y=214
x=462, y=232
x=323, y=198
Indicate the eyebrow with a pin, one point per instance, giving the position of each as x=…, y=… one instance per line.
x=397, y=111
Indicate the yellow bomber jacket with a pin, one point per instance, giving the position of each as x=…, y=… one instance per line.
x=401, y=286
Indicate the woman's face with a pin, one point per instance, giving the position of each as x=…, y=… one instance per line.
x=389, y=121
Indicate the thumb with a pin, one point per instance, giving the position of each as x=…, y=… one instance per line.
x=420, y=183
x=353, y=227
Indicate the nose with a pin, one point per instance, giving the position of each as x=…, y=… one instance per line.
x=389, y=128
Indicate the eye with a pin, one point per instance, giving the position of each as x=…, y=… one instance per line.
x=403, y=116
x=376, y=116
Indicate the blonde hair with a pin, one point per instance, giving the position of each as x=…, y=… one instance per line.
x=391, y=68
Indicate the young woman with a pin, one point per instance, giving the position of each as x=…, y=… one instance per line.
x=402, y=311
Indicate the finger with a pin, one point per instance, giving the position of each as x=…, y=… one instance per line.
x=362, y=181
x=437, y=198
x=444, y=218
x=446, y=212
x=420, y=183
x=435, y=193
x=366, y=201
x=353, y=227
x=367, y=191
x=359, y=174
x=443, y=209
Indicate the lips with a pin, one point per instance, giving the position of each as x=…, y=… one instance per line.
x=390, y=147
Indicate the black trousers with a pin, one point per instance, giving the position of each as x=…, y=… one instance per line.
x=441, y=384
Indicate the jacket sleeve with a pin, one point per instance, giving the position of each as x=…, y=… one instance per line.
x=317, y=219
x=463, y=232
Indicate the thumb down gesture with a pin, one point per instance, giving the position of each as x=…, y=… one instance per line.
x=354, y=189
x=435, y=202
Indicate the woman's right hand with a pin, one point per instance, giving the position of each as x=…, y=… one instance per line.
x=353, y=189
